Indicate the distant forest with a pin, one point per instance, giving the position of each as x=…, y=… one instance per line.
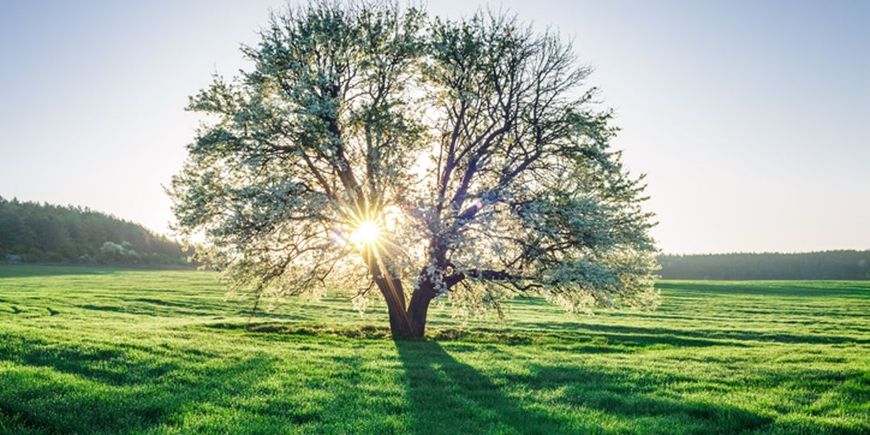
x=43, y=233
x=810, y=265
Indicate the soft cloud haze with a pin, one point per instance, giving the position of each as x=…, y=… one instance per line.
x=752, y=119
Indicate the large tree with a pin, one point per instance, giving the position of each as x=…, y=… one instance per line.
x=370, y=144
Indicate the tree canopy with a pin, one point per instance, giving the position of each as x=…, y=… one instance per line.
x=419, y=156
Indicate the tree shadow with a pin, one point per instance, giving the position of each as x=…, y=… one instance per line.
x=448, y=396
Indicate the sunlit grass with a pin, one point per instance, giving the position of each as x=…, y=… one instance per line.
x=87, y=350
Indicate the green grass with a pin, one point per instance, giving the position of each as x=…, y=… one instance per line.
x=108, y=351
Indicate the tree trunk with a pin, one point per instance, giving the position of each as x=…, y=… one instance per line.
x=400, y=327
x=405, y=323
x=418, y=308
x=391, y=289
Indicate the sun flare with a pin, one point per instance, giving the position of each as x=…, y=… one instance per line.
x=365, y=234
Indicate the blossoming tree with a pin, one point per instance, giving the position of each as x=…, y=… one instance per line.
x=370, y=144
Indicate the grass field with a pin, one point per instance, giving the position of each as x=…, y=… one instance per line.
x=86, y=350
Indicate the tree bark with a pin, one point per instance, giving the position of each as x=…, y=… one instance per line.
x=394, y=296
x=400, y=326
x=418, y=308
x=410, y=322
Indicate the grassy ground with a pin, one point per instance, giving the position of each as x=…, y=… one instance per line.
x=101, y=350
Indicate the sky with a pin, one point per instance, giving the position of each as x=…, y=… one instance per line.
x=751, y=119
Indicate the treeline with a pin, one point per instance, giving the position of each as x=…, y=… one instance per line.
x=844, y=264
x=44, y=233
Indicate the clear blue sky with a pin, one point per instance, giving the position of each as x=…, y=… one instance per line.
x=752, y=118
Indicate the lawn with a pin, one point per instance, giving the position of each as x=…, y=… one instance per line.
x=90, y=350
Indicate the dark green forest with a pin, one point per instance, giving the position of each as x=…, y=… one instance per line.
x=43, y=233
x=844, y=264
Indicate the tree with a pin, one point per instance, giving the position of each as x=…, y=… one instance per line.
x=420, y=156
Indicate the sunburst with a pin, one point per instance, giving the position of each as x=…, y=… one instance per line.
x=365, y=234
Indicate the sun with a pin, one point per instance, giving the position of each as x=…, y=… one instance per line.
x=365, y=234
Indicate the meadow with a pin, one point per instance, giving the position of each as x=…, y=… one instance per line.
x=98, y=350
